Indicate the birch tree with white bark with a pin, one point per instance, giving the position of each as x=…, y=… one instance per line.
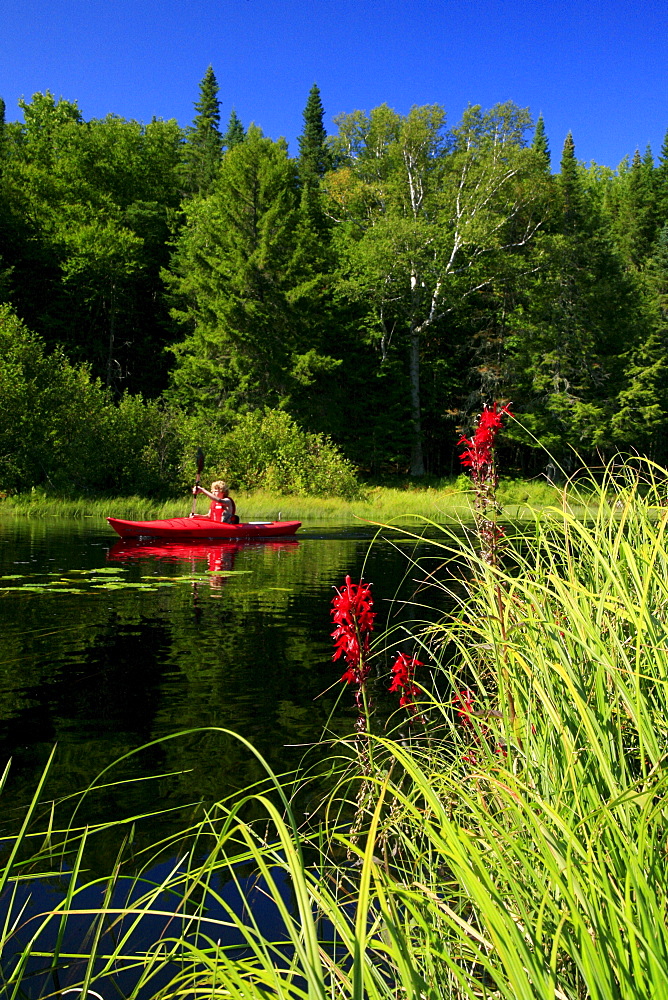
x=426, y=216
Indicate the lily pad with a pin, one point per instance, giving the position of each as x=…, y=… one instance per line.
x=108, y=570
x=13, y=576
x=229, y=572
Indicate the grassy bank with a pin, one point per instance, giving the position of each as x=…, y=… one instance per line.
x=441, y=501
x=509, y=844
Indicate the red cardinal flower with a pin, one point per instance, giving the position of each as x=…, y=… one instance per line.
x=464, y=699
x=478, y=453
x=478, y=456
x=353, y=617
x=403, y=670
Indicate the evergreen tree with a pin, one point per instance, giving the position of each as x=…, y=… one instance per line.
x=314, y=161
x=3, y=136
x=643, y=222
x=204, y=143
x=570, y=186
x=630, y=201
x=540, y=144
x=235, y=132
x=315, y=158
x=662, y=183
x=245, y=300
x=581, y=316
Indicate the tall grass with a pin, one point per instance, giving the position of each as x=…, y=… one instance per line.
x=515, y=850
x=445, y=500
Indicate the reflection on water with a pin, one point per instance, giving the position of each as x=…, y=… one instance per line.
x=218, y=555
x=233, y=636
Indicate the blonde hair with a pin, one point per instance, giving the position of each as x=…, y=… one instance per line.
x=219, y=485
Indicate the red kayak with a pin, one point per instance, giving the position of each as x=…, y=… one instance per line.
x=202, y=528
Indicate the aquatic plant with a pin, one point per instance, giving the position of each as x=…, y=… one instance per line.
x=353, y=617
x=403, y=679
x=478, y=456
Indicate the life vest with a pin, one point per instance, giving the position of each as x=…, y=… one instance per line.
x=219, y=511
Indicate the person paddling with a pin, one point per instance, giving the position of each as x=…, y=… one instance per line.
x=223, y=507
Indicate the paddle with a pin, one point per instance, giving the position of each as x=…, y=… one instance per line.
x=199, y=458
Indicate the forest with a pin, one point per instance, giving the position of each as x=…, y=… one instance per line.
x=313, y=319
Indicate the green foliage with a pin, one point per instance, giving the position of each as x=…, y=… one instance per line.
x=314, y=154
x=579, y=348
x=86, y=212
x=267, y=450
x=429, y=219
x=60, y=428
x=395, y=275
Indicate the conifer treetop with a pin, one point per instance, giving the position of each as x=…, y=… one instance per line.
x=540, y=144
x=314, y=154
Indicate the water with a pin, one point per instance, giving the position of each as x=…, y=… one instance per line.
x=117, y=646
x=107, y=647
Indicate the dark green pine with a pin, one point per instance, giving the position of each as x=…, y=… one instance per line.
x=314, y=156
x=2, y=127
x=663, y=155
x=571, y=187
x=540, y=143
x=206, y=123
x=235, y=132
x=662, y=183
x=204, y=143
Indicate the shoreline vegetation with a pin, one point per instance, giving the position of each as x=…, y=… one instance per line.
x=142, y=318
x=502, y=836
x=445, y=500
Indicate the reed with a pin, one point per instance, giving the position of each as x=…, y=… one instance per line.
x=511, y=846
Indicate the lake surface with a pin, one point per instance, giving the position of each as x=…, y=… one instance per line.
x=108, y=646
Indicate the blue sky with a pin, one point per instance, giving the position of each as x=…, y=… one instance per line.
x=599, y=69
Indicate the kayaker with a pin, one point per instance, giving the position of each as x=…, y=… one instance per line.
x=223, y=507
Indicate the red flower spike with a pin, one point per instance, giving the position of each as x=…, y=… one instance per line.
x=478, y=453
x=464, y=699
x=403, y=670
x=478, y=456
x=353, y=617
